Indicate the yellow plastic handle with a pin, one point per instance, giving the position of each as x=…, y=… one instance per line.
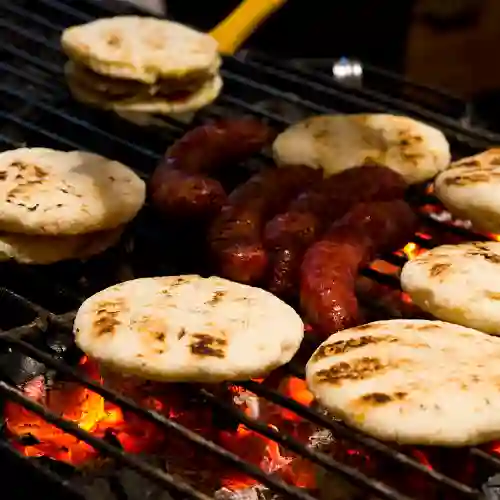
x=242, y=22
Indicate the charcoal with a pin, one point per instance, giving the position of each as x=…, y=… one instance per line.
x=111, y=482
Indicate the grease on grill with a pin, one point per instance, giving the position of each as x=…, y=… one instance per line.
x=357, y=369
x=207, y=345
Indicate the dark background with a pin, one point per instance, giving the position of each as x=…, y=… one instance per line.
x=373, y=30
x=449, y=44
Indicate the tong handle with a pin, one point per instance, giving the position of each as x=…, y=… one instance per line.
x=242, y=22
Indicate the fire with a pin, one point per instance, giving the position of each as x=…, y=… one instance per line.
x=411, y=250
x=266, y=453
x=34, y=437
x=295, y=388
x=92, y=413
x=80, y=405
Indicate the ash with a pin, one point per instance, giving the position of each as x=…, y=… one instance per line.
x=257, y=492
x=108, y=481
x=447, y=217
x=491, y=488
x=331, y=486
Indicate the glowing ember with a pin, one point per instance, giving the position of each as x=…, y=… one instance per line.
x=92, y=413
x=82, y=406
x=295, y=388
x=267, y=454
x=412, y=250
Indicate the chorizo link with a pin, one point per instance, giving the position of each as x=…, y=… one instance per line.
x=180, y=185
x=218, y=144
x=289, y=234
x=236, y=234
x=331, y=265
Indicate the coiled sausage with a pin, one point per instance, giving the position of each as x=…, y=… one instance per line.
x=180, y=186
x=236, y=234
x=289, y=234
x=331, y=265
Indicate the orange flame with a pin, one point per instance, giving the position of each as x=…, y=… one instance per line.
x=93, y=414
x=266, y=453
x=412, y=250
x=82, y=406
x=296, y=388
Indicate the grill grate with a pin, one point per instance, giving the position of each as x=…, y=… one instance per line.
x=36, y=109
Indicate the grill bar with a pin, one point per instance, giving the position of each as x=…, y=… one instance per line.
x=37, y=104
x=319, y=458
x=154, y=417
x=482, y=137
x=152, y=473
x=387, y=102
x=445, y=124
x=6, y=449
x=338, y=429
x=254, y=74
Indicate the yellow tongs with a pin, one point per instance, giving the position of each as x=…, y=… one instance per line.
x=242, y=22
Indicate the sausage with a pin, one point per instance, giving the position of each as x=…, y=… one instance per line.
x=180, y=186
x=289, y=234
x=218, y=144
x=179, y=194
x=331, y=265
x=235, y=236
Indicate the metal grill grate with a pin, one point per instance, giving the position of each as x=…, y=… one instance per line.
x=36, y=109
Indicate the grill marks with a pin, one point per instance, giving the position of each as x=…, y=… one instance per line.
x=206, y=345
x=381, y=398
x=344, y=346
x=485, y=251
x=28, y=178
x=358, y=369
x=438, y=269
x=480, y=168
x=153, y=332
x=106, y=313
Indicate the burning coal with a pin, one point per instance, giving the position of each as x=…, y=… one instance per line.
x=34, y=437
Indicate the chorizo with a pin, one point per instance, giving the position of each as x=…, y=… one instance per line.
x=289, y=234
x=180, y=185
x=331, y=265
x=235, y=236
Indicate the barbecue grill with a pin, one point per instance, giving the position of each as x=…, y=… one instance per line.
x=37, y=305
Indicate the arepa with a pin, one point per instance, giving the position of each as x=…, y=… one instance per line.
x=33, y=249
x=144, y=102
x=144, y=49
x=413, y=382
x=188, y=328
x=469, y=189
x=49, y=192
x=458, y=283
x=337, y=142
